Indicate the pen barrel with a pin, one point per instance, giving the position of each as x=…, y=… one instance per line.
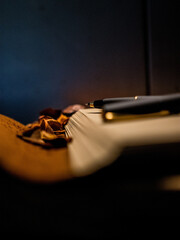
x=167, y=102
x=101, y=103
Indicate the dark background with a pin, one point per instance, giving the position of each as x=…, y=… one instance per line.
x=59, y=52
x=54, y=53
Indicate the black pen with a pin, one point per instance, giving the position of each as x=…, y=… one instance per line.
x=101, y=103
x=169, y=102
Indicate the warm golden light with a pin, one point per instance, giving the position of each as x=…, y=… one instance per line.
x=136, y=97
x=109, y=116
x=91, y=105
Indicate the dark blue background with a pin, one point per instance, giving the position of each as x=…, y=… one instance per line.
x=60, y=52
x=54, y=53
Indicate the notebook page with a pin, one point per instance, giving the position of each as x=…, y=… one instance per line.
x=156, y=130
x=91, y=147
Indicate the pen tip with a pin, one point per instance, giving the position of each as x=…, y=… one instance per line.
x=89, y=105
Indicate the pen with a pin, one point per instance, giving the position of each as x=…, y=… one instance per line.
x=102, y=102
x=169, y=102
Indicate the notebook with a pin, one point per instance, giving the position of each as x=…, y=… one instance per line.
x=97, y=143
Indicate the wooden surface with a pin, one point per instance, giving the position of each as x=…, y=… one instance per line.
x=29, y=161
x=33, y=163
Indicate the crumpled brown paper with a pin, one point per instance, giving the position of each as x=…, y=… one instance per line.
x=49, y=130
